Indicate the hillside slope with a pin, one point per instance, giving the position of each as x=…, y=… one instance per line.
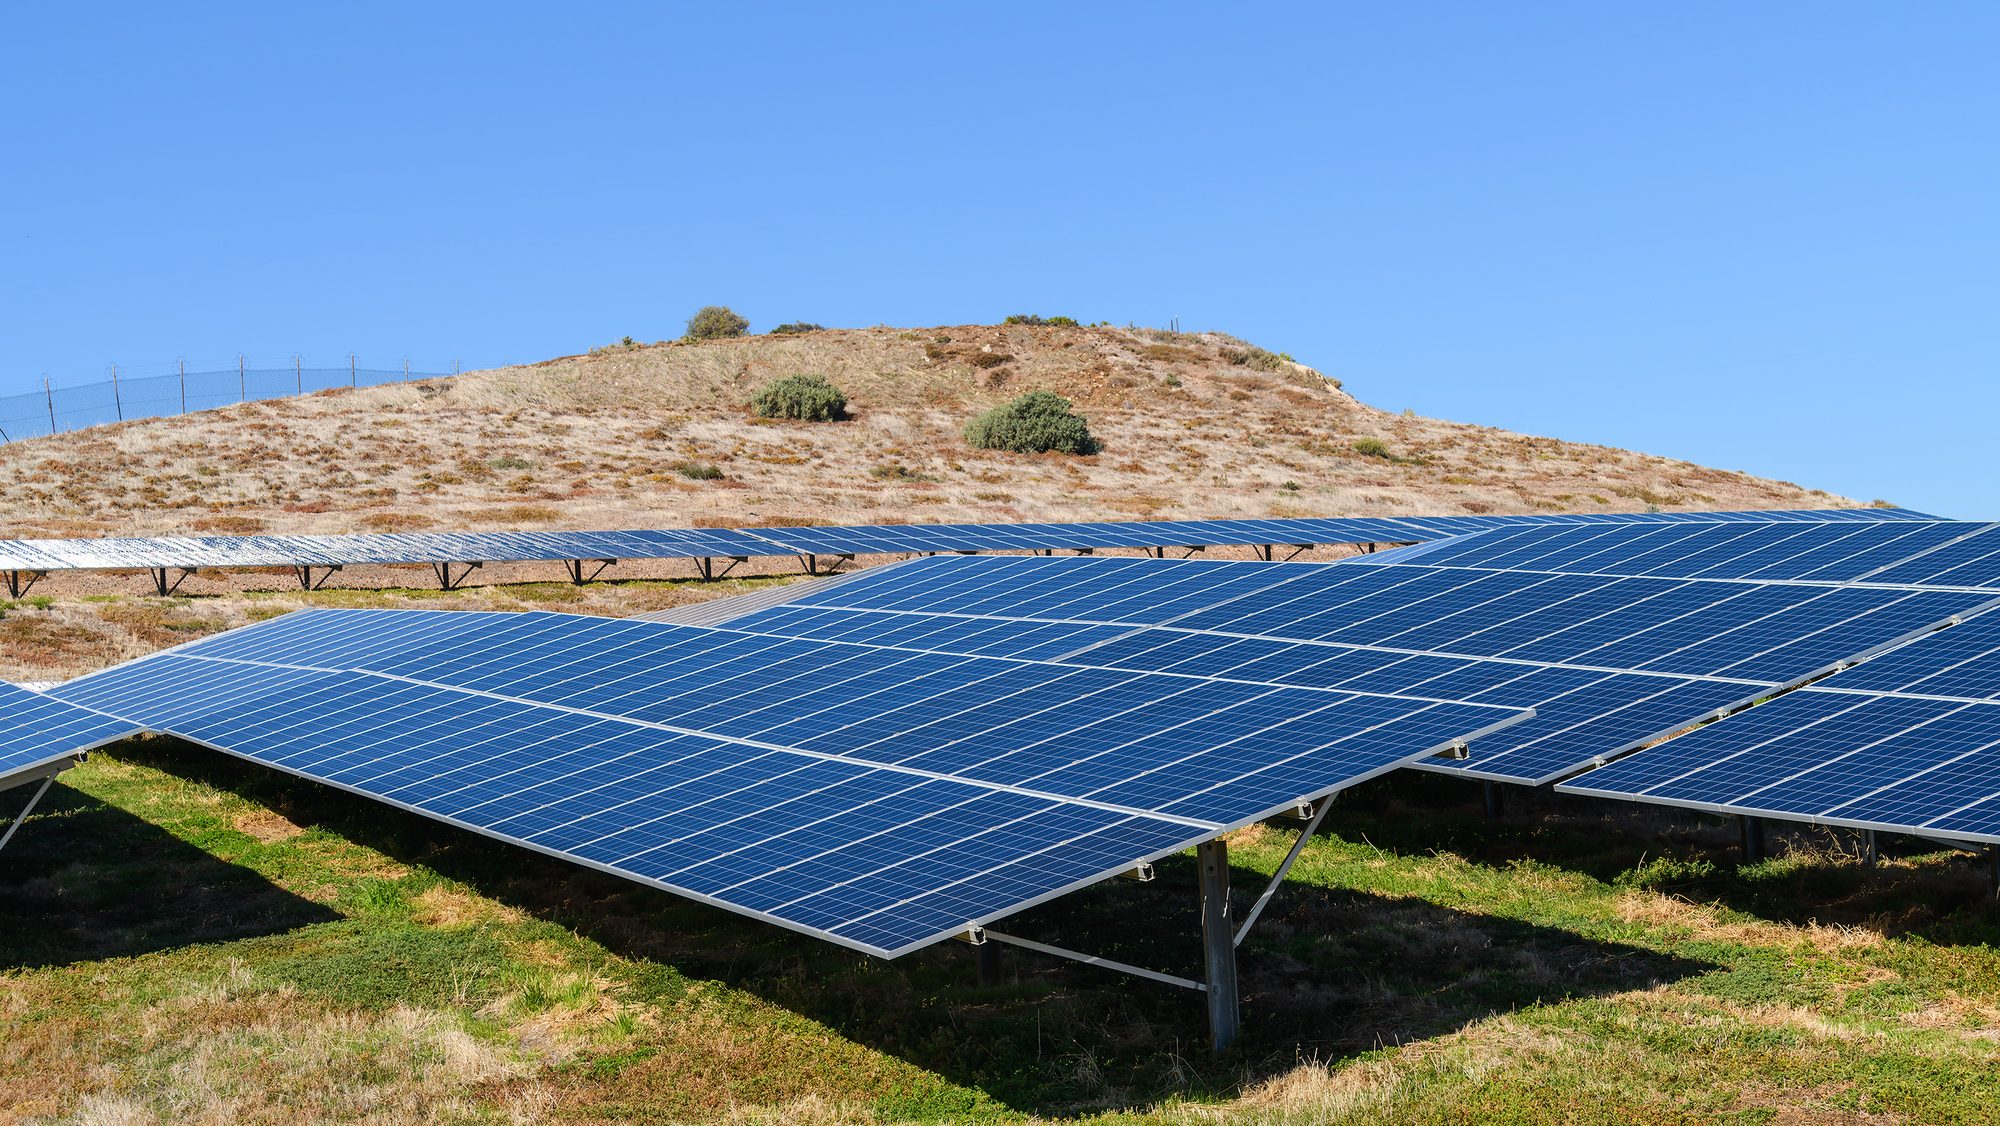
x=1193, y=425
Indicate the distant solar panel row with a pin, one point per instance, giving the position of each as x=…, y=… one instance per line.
x=37, y=732
x=1944, y=553
x=880, y=798
x=192, y=552
x=1608, y=662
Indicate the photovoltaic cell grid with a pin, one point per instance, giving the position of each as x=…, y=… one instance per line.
x=1609, y=663
x=44, y=555
x=1906, y=742
x=37, y=732
x=1943, y=554
x=879, y=798
x=329, y=551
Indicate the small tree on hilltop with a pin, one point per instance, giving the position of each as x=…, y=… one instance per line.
x=808, y=398
x=715, y=322
x=1037, y=422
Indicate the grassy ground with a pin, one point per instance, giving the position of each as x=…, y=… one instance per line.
x=193, y=940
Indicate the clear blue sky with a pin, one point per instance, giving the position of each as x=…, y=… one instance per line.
x=1759, y=236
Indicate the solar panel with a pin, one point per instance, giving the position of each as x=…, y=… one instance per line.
x=327, y=551
x=1908, y=741
x=897, y=538
x=1956, y=554
x=38, y=733
x=197, y=552
x=1609, y=663
x=875, y=797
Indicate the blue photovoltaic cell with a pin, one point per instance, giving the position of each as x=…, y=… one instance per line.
x=1608, y=662
x=883, y=798
x=37, y=731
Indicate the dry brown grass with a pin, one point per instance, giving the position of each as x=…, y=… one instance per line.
x=590, y=442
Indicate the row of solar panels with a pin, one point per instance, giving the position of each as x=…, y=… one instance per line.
x=194, y=552
x=939, y=743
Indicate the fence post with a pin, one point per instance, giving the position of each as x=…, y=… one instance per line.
x=406, y=369
x=350, y=372
x=51, y=393
x=184, y=386
x=299, y=372
x=117, y=403
x=242, y=381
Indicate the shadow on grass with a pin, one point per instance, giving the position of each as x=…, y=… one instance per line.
x=83, y=880
x=1814, y=874
x=1327, y=974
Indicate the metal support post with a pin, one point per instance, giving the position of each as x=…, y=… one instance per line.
x=987, y=956
x=1871, y=852
x=1218, y=940
x=812, y=563
x=1993, y=867
x=1263, y=551
x=1496, y=801
x=21, y=582
x=575, y=569
x=705, y=566
x=162, y=586
x=1753, y=840
x=304, y=571
x=444, y=575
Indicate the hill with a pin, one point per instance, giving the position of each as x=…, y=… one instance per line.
x=1193, y=426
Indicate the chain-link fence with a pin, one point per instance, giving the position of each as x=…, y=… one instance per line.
x=53, y=410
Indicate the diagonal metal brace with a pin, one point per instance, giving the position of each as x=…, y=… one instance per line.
x=979, y=935
x=21, y=582
x=444, y=575
x=705, y=566
x=575, y=569
x=1298, y=846
x=26, y=810
x=304, y=571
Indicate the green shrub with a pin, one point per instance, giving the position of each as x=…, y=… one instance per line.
x=696, y=471
x=808, y=398
x=984, y=360
x=1259, y=359
x=790, y=328
x=715, y=322
x=1037, y=422
x=1041, y=322
x=1374, y=447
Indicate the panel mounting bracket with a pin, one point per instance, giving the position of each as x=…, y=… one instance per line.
x=704, y=566
x=444, y=576
x=304, y=571
x=575, y=569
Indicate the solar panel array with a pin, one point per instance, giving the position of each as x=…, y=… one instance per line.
x=898, y=538
x=38, y=732
x=195, y=552
x=330, y=551
x=1609, y=662
x=876, y=797
x=1934, y=554
x=1908, y=742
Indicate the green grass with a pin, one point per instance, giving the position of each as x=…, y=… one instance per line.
x=194, y=939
